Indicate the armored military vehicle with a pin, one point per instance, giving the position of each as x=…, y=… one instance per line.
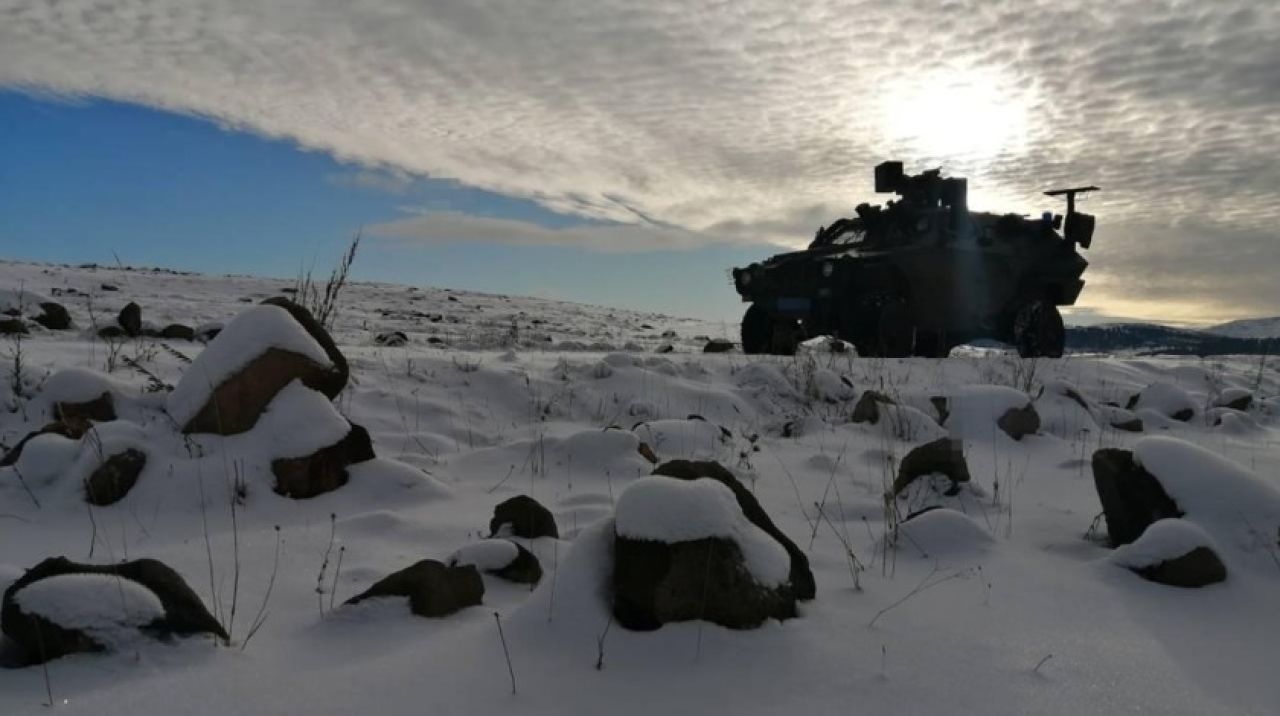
x=921, y=275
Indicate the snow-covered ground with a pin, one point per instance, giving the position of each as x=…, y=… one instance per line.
x=1009, y=604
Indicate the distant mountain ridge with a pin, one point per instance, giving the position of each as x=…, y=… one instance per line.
x=1249, y=328
x=1152, y=338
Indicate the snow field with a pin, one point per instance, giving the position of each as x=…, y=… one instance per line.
x=460, y=428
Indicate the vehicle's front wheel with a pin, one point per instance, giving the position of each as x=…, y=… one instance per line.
x=1038, y=330
x=757, y=330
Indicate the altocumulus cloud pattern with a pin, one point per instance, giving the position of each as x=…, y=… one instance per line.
x=692, y=122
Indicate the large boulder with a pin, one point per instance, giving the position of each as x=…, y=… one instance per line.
x=718, y=345
x=500, y=557
x=433, y=589
x=113, y=479
x=684, y=549
x=331, y=383
x=800, y=576
x=1163, y=477
x=61, y=607
x=260, y=351
x=1132, y=498
x=53, y=316
x=324, y=470
x=944, y=455
x=525, y=517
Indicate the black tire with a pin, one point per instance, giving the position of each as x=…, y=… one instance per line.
x=787, y=336
x=895, y=330
x=931, y=344
x=1038, y=331
x=757, y=330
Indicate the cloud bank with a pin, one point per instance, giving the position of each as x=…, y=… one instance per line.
x=692, y=118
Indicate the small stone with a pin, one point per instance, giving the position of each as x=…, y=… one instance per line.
x=433, y=589
x=130, y=319
x=944, y=455
x=114, y=477
x=54, y=316
x=647, y=453
x=178, y=332
x=1017, y=423
x=526, y=516
x=1198, y=568
x=867, y=410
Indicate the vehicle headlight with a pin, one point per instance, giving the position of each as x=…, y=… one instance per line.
x=827, y=269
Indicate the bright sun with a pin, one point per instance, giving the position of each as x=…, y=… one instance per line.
x=966, y=117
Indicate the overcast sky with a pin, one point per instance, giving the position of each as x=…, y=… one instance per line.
x=671, y=126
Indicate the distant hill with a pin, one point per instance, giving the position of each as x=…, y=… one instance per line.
x=1151, y=338
x=1249, y=328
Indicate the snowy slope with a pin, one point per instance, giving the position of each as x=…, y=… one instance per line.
x=1249, y=328
x=1000, y=606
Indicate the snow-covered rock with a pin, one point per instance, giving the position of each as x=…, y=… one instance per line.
x=501, y=558
x=684, y=549
x=1235, y=506
x=1165, y=398
x=260, y=351
x=974, y=412
x=944, y=531
x=62, y=607
x=522, y=516
x=1174, y=552
x=108, y=609
x=433, y=589
x=664, y=509
x=689, y=439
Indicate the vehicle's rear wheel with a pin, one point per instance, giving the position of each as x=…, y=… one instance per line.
x=895, y=329
x=931, y=344
x=757, y=330
x=1038, y=331
x=787, y=335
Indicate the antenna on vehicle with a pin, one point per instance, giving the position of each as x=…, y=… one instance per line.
x=1079, y=226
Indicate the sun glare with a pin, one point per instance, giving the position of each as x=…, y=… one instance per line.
x=966, y=117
